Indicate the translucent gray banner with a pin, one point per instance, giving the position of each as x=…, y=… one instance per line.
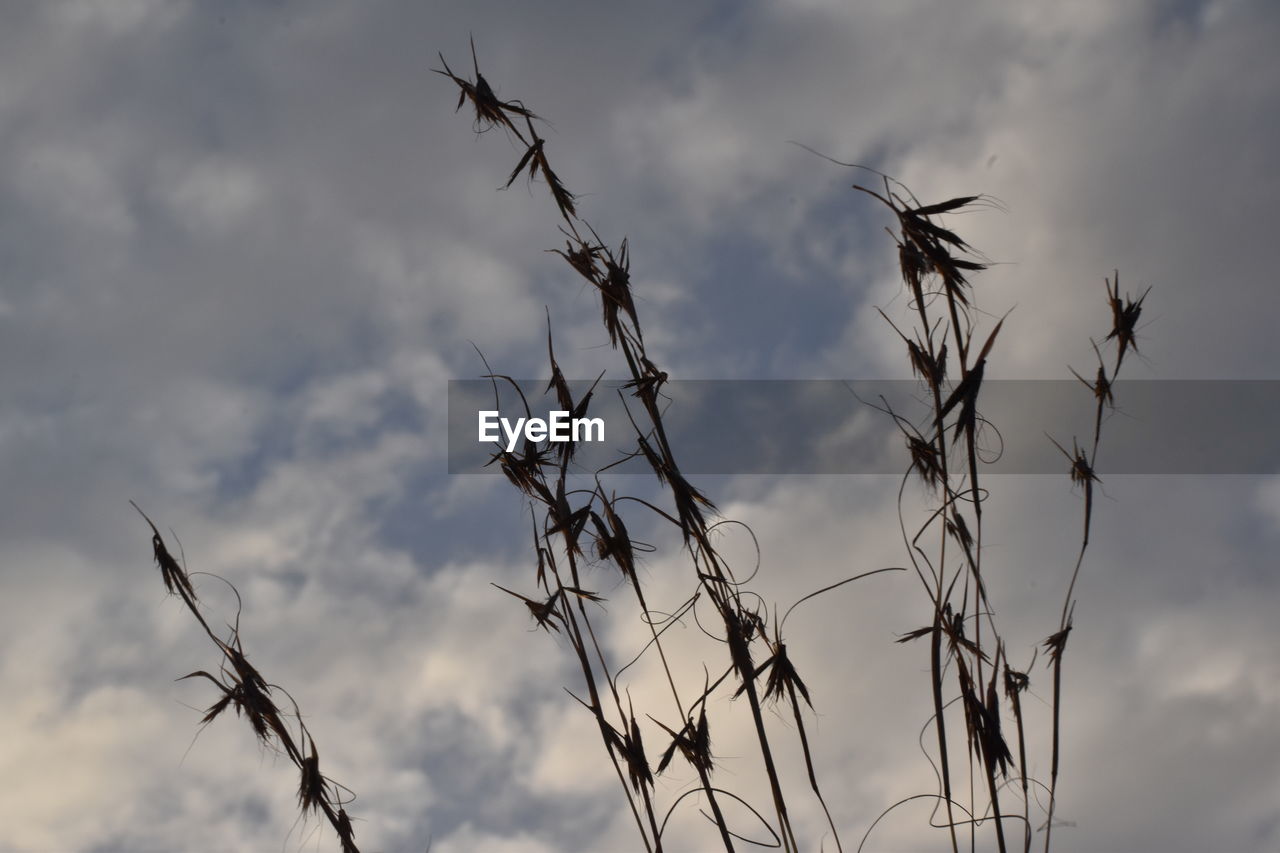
x=835, y=427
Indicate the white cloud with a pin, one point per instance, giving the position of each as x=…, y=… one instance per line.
x=212, y=194
x=245, y=250
x=121, y=18
x=74, y=184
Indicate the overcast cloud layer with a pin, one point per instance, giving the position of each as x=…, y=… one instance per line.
x=244, y=246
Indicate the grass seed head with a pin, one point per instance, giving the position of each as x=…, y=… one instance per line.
x=172, y=573
x=693, y=742
x=1057, y=642
x=1124, y=317
x=311, y=787
x=543, y=612
x=633, y=753
x=1015, y=682
x=490, y=110
x=925, y=460
x=783, y=677
x=346, y=834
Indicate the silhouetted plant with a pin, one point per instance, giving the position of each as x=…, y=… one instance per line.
x=579, y=524
x=968, y=663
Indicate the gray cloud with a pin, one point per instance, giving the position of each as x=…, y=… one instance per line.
x=246, y=245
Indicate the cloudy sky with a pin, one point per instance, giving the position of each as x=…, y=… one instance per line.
x=245, y=245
